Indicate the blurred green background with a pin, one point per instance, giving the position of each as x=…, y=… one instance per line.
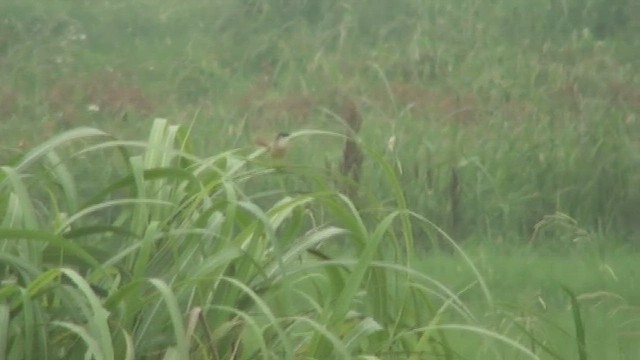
x=501, y=112
x=534, y=105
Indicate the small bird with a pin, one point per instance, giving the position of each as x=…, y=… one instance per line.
x=278, y=148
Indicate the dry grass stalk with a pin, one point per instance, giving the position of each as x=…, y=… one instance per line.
x=455, y=194
x=352, y=155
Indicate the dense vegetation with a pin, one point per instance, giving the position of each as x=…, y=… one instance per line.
x=462, y=181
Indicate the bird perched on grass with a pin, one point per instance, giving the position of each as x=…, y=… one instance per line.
x=278, y=148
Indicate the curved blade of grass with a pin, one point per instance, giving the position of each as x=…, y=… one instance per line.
x=182, y=347
x=58, y=140
x=43, y=282
x=264, y=308
x=542, y=344
x=148, y=175
x=338, y=346
x=92, y=344
x=283, y=208
x=28, y=213
x=424, y=343
x=364, y=326
x=50, y=239
x=253, y=324
x=107, y=204
x=21, y=266
x=118, y=144
x=349, y=216
x=216, y=264
x=269, y=233
x=130, y=351
x=485, y=333
x=467, y=259
x=308, y=241
x=86, y=231
x=336, y=314
x=448, y=294
x=98, y=323
x=64, y=179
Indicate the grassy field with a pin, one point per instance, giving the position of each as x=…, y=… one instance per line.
x=462, y=181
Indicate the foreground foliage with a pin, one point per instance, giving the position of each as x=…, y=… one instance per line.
x=176, y=259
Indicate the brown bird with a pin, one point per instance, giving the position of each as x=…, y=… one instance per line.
x=278, y=148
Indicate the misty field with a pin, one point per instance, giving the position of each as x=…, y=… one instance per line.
x=462, y=182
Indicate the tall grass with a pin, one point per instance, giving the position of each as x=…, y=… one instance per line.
x=185, y=264
x=533, y=108
x=480, y=125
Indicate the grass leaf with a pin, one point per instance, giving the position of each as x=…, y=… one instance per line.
x=581, y=340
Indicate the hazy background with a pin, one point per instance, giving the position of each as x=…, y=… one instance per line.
x=513, y=125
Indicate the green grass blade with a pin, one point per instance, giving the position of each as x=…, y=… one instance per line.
x=98, y=322
x=63, y=177
x=4, y=330
x=93, y=346
x=28, y=217
x=265, y=309
x=581, y=339
x=171, y=303
x=486, y=334
x=50, y=239
x=57, y=141
x=469, y=262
